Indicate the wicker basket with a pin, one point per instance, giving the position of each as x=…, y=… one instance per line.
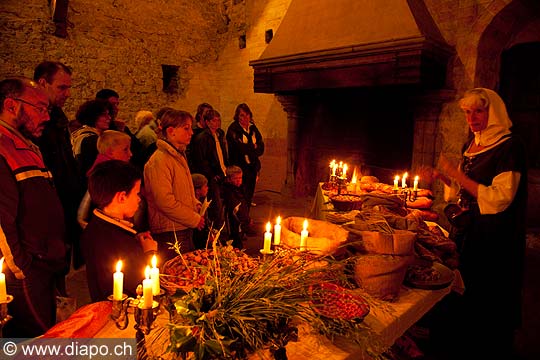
x=381, y=276
x=346, y=202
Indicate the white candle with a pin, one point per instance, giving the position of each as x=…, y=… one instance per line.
x=148, y=298
x=404, y=180
x=396, y=181
x=415, y=184
x=304, y=236
x=118, y=282
x=334, y=169
x=154, y=276
x=267, y=238
x=345, y=167
x=3, y=291
x=277, y=231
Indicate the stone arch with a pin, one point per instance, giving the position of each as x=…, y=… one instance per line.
x=501, y=34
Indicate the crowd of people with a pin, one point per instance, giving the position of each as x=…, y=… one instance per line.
x=90, y=191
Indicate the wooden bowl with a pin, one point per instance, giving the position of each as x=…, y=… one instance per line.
x=346, y=202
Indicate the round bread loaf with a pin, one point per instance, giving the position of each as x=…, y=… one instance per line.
x=369, y=179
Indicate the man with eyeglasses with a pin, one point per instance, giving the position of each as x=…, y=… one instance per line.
x=32, y=228
x=55, y=145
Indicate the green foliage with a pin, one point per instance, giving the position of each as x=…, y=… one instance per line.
x=235, y=313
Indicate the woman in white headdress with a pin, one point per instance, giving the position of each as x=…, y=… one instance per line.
x=492, y=181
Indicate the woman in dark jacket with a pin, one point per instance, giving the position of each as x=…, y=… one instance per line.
x=245, y=146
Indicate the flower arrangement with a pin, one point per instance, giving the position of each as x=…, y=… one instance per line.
x=232, y=313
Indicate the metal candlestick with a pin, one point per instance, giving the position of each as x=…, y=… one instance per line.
x=409, y=195
x=342, y=184
x=4, y=316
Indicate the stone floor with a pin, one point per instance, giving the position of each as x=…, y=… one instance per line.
x=271, y=204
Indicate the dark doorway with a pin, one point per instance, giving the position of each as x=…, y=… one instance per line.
x=520, y=89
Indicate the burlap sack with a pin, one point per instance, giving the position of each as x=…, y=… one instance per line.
x=381, y=276
x=324, y=238
x=401, y=242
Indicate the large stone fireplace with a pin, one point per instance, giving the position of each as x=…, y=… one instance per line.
x=369, y=96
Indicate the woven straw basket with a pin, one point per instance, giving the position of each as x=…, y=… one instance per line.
x=381, y=276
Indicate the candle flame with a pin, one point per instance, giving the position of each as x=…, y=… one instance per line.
x=268, y=226
x=354, y=178
x=416, y=178
x=396, y=178
x=305, y=224
x=147, y=272
x=345, y=167
x=278, y=220
x=154, y=261
x=118, y=266
x=405, y=175
x=332, y=163
x=1, y=264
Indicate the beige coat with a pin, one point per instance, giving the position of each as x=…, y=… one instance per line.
x=169, y=191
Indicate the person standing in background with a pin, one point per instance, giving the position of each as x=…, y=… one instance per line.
x=55, y=146
x=245, y=146
x=138, y=159
x=32, y=229
x=209, y=157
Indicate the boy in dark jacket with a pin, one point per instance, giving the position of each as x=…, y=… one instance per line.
x=114, y=187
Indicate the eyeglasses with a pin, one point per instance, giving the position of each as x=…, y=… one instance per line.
x=41, y=109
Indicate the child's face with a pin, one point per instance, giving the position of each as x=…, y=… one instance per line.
x=201, y=192
x=121, y=151
x=236, y=179
x=132, y=200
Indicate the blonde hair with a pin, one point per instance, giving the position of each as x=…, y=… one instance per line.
x=474, y=98
x=233, y=170
x=111, y=138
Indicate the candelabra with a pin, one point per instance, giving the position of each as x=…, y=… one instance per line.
x=407, y=194
x=341, y=184
x=4, y=316
x=144, y=316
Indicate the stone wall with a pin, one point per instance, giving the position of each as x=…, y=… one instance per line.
x=122, y=44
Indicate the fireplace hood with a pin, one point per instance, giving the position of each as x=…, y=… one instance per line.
x=325, y=44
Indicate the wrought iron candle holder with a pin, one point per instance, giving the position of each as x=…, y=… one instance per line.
x=341, y=184
x=409, y=194
x=4, y=316
x=144, y=317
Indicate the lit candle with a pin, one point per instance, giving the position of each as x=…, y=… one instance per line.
x=148, y=298
x=304, y=236
x=267, y=238
x=277, y=231
x=3, y=292
x=415, y=186
x=118, y=282
x=404, y=180
x=396, y=181
x=154, y=276
x=334, y=169
x=345, y=167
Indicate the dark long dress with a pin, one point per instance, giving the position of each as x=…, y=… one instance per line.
x=492, y=254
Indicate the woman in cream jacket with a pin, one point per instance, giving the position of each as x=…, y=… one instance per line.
x=173, y=210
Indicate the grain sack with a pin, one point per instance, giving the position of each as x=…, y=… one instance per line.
x=381, y=276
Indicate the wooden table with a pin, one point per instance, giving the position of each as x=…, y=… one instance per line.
x=389, y=321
